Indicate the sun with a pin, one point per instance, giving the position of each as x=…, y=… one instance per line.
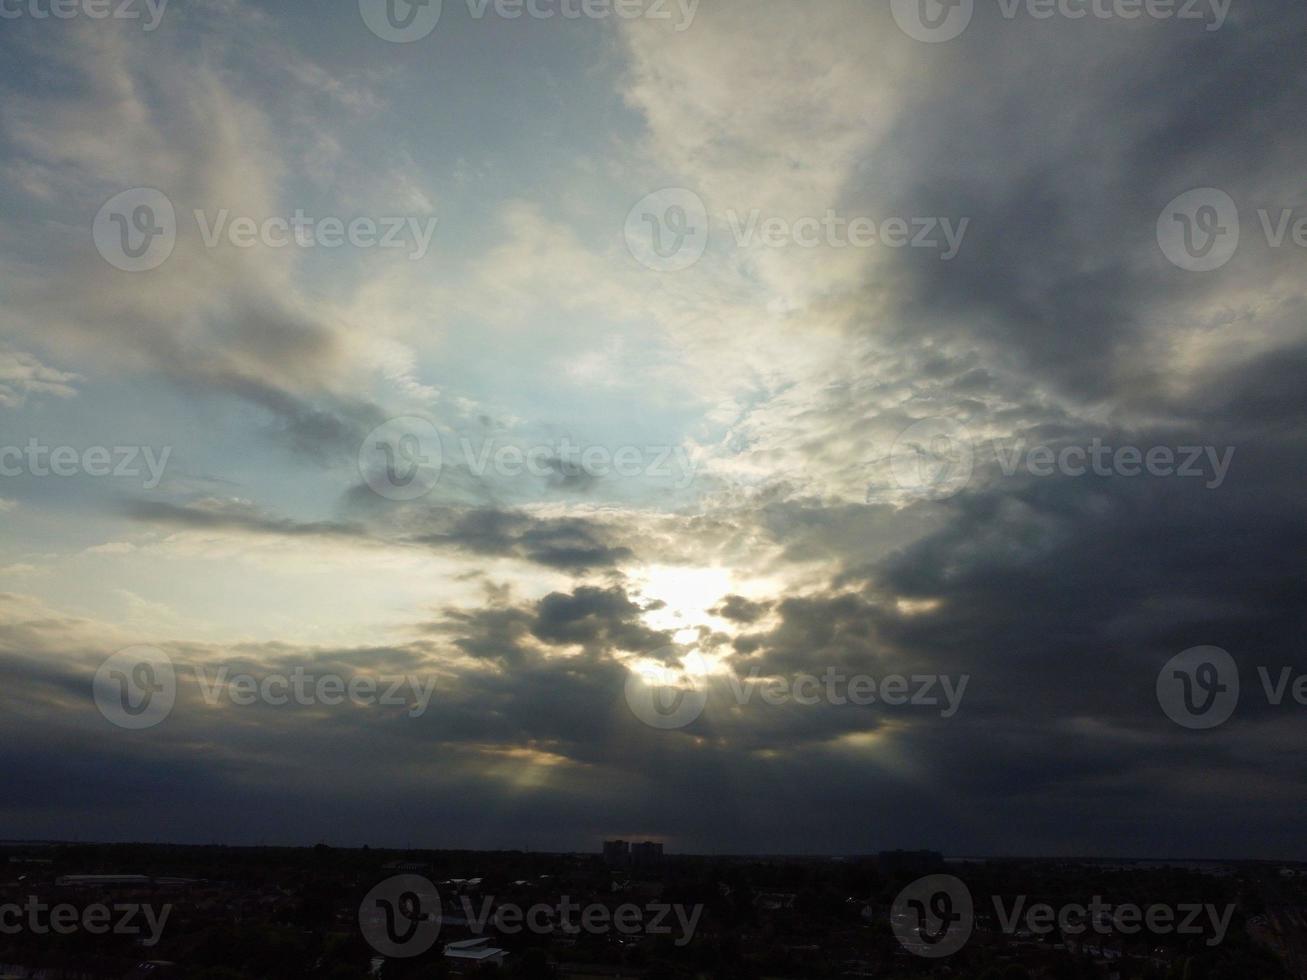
x=687, y=593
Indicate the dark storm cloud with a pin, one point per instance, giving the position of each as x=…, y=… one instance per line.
x=1063, y=596
x=326, y=429
x=835, y=630
x=528, y=701
x=599, y=620
x=571, y=544
x=567, y=543
x=591, y=615
x=570, y=475
x=1060, y=597
x=1060, y=273
x=741, y=610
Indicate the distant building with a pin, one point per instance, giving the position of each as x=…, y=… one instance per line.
x=774, y=901
x=624, y=855
x=152, y=969
x=475, y=951
x=103, y=881
x=647, y=856
x=411, y=867
x=617, y=854
x=910, y=862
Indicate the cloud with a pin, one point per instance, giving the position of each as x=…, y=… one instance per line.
x=223, y=322
x=575, y=544
x=22, y=375
x=232, y=515
x=786, y=374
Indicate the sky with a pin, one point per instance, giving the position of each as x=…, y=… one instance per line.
x=752, y=425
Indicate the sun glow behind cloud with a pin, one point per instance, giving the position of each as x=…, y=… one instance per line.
x=784, y=374
x=687, y=595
